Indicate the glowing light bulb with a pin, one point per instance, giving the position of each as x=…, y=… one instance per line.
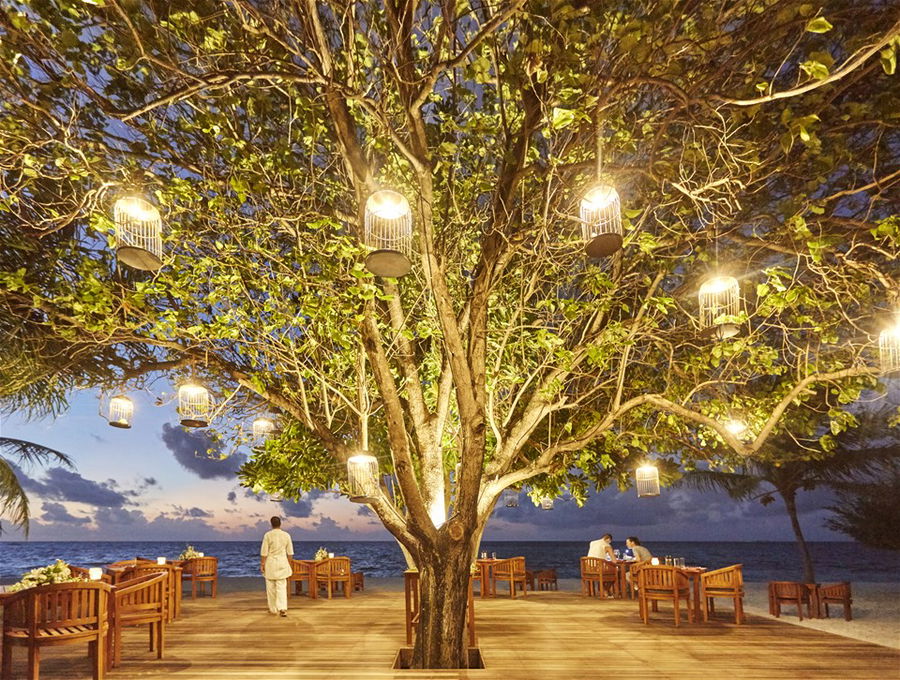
x=599, y=197
x=387, y=204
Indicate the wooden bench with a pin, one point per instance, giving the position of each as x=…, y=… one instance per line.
x=728, y=583
x=835, y=593
x=138, y=601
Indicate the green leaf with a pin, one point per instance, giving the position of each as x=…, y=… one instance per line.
x=819, y=25
x=562, y=118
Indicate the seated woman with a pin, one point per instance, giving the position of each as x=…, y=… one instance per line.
x=641, y=556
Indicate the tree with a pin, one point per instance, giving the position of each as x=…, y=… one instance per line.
x=868, y=510
x=755, y=139
x=784, y=471
x=13, y=499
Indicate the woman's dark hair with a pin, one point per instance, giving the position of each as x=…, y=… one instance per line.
x=276, y=522
x=634, y=539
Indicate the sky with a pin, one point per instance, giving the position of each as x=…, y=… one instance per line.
x=153, y=482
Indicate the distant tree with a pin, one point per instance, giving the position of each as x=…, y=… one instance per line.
x=783, y=471
x=868, y=510
x=13, y=500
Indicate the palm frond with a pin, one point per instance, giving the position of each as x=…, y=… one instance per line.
x=13, y=501
x=740, y=486
x=29, y=452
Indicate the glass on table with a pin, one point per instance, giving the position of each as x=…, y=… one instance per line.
x=493, y=556
x=679, y=562
x=668, y=560
x=483, y=554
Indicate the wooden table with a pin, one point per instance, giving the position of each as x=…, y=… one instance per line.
x=693, y=573
x=486, y=576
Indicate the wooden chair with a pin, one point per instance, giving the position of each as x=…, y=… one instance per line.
x=727, y=582
x=663, y=583
x=300, y=572
x=56, y=614
x=139, y=601
x=201, y=570
x=173, y=583
x=546, y=580
x=603, y=573
x=333, y=571
x=513, y=571
x=836, y=593
x=789, y=592
x=358, y=580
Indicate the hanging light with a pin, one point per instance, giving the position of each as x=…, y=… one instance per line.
x=362, y=478
x=511, y=498
x=276, y=497
x=720, y=297
x=546, y=503
x=121, y=408
x=388, y=232
x=889, y=349
x=737, y=427
x=263, y=428
x=646, y=479
x=601, y=220
x=193, y=405
x=138, y=232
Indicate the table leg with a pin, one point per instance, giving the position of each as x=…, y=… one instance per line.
x=695, y=585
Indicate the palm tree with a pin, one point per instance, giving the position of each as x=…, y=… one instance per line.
x=762, y=478
x=13, y=500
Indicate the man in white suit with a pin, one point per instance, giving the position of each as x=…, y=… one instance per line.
x=602, y=548
x=275, y=554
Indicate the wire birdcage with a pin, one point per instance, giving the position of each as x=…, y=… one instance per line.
x=646, y=479
x=601, y=220
x=889, y=349
x=138, y=232
x=389, y=234
x=362, y=478
x=546, y=503
x=263, y=428
x=121, y=409
x=511, y=498
x=193, y=405
x=720, y=303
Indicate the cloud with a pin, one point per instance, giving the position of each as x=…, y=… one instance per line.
x=232, y=497
x=301, y=508
x=65, y=485
x=191, y=512
x=56, y=512
x=190, y=449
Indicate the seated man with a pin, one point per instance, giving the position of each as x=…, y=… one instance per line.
x=641, y=556
x=602, y=548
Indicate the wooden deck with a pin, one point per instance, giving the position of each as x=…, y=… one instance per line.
x=548, y=635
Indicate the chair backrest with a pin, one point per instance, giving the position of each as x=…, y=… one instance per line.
x=661, y=578
x=58, y=605
x=591, y=565
x=512, y=567
x=788, y=590
x=836, y=591
x=335, y=566
x=727, y=578
x=299, y=569
x=126, y=563
x=143, y=569
x=202, y=566
x=147, y=592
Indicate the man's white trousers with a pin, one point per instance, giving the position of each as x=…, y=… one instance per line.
x=276, y=594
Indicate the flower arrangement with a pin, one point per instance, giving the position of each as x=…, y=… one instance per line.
x=58, y=572
x=321, y=554
x=189, y=553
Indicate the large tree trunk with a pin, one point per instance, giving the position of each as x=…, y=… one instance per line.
x=444, y=574
x=790, y=502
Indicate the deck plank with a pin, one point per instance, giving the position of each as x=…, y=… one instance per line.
x=546, y=635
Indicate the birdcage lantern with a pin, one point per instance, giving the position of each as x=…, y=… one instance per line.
x=193, y=405
x=263, y=428
x=601, y=220
x=889, y=349
x=138, y=232
x=511, y=498
x=646, y=479
x=737, y=427
x=276, y=497
x=720, y=303
x=546, y=503
x=388, y=234
x=362, y=478
x=121, y=409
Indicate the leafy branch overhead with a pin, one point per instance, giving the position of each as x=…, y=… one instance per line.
x=757, y=140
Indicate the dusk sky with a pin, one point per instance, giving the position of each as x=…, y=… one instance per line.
x=147, y=483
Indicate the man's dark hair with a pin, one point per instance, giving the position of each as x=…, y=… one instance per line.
x=276, y=522
x=634, y=539
x=609, y=536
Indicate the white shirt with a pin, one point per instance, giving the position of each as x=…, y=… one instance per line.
x=276, y=548
x=600, y=548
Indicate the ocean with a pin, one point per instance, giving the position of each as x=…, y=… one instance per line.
x=764, y=561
